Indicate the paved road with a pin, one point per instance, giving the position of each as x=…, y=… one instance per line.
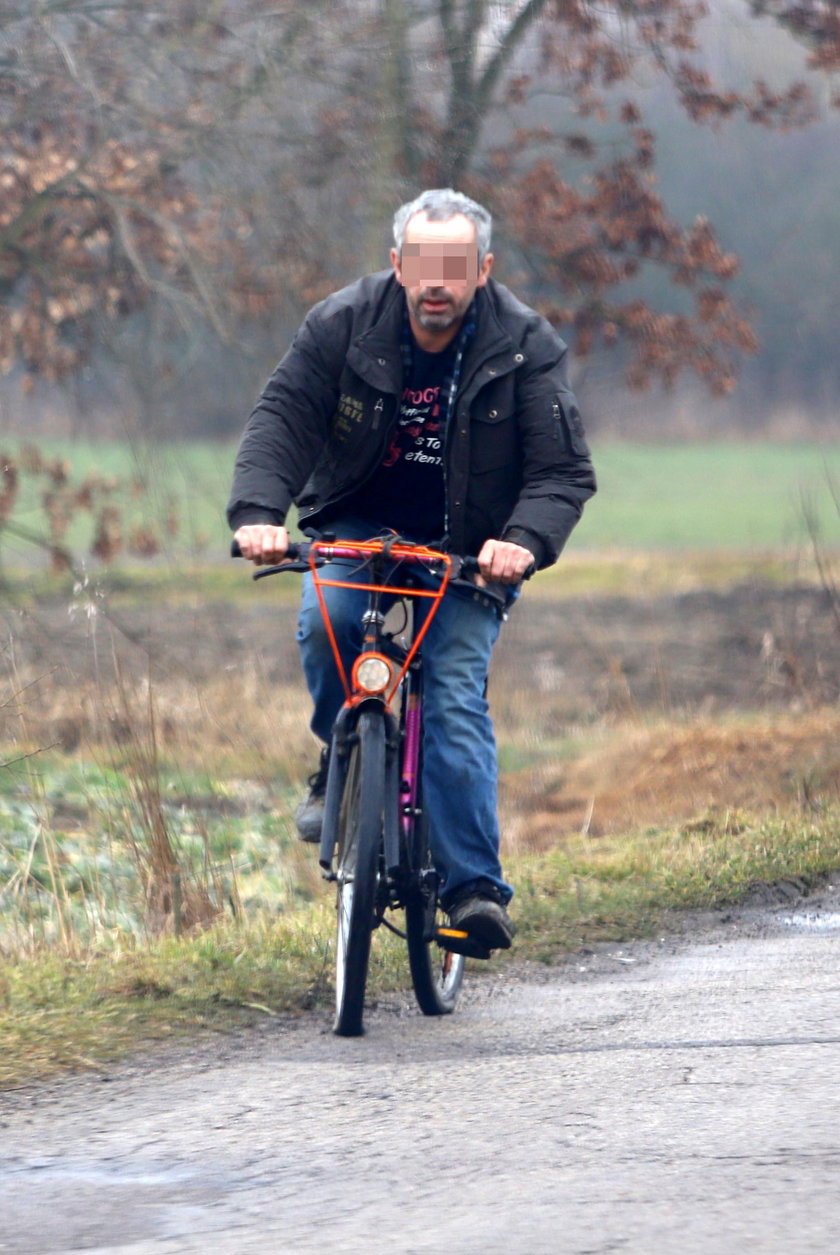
x=663, y=1099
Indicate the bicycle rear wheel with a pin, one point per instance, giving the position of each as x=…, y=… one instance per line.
x=359, y=843
x=436, y=974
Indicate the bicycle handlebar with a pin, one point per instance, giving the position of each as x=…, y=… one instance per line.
x=297, y=559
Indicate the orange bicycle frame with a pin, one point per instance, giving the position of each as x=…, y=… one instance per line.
x=415, y=554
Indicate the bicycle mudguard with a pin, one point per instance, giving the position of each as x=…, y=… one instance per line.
x=335, y=787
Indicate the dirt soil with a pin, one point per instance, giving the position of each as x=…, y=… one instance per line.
x=751, y=647
x=704, y=775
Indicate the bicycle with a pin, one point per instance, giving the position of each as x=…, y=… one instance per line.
x=374, y=842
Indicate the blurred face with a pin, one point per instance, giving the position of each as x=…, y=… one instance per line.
x=440, y=273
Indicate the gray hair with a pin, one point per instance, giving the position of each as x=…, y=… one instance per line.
x=439, y=205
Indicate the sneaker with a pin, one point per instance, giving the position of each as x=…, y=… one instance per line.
x=309, y=816
x=482, y=914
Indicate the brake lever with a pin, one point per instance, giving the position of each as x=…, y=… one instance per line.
x=282, y=567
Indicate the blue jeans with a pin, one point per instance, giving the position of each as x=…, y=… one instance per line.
x=459, y=749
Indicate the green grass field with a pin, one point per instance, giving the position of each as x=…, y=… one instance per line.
x=744, y=496
x=747, y=497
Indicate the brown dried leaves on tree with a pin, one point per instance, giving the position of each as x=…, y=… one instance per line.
x=586, y=242
x=96, y=213
x=100, y=206
x=815, y=23
x=577, y=203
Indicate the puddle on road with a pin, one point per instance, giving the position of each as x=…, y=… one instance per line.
x=813, y=921
x=102, y=1204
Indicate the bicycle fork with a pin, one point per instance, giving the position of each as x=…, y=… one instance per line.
x=343, y=738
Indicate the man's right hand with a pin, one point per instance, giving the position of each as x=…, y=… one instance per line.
x=262, y=543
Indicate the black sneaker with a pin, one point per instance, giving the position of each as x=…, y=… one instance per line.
x=309, y=816
x=482, y=914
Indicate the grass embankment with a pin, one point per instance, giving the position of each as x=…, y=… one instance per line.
x=59, y=1012
x=611, y=824
x=102, y=989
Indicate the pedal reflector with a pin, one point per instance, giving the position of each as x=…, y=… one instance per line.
x=459, y=942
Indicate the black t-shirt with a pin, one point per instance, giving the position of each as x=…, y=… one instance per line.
x=406, y=491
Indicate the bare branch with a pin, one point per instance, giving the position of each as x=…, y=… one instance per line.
x=508, y=45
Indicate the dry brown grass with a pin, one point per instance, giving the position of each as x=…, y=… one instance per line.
x=646, y=775
x=676, y=800
x=242, y=717
x=622, y=772
x=122, y=759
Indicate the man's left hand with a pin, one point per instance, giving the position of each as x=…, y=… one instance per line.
x=502, y=562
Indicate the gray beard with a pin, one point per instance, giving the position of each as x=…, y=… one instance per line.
x=436, y=322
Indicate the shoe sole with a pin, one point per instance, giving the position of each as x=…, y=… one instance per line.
x=486, y=932
x=310, y=838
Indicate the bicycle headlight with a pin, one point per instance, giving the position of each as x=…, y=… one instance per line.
x=372, y=673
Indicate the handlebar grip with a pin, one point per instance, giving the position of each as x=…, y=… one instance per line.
x=292, y=553
x=469, y=566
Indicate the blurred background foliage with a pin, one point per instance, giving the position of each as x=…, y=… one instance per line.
x=178, y=186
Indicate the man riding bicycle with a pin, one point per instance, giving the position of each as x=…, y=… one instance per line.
x=427, y=400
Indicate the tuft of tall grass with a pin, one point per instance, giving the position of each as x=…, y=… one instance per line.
x=137, y=803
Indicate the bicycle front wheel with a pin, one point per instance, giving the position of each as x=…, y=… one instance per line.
x=359, y=843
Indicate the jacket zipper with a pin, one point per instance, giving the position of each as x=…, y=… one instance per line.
x=558, y=420
x=452, y=417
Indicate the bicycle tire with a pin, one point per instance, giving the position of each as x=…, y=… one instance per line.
x=436, y=974
x=359, y=843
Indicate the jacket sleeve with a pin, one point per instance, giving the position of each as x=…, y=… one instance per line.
x=289, y=426
x=557, y=473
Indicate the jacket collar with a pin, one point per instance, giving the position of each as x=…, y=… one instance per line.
x=490, y=341
x=491, y=349
x=382, y=337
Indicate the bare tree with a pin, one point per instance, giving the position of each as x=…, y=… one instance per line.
x=459, y=86
x=114, y=118
x=231, y=159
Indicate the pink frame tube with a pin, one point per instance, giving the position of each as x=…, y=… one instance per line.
x=410, y=764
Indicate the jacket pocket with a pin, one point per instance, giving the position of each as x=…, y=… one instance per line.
x=493, y=442
x=568, y=425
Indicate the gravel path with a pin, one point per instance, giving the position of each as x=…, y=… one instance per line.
x=673, y=1097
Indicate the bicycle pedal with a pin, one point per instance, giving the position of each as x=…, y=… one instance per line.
x=459, y=942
